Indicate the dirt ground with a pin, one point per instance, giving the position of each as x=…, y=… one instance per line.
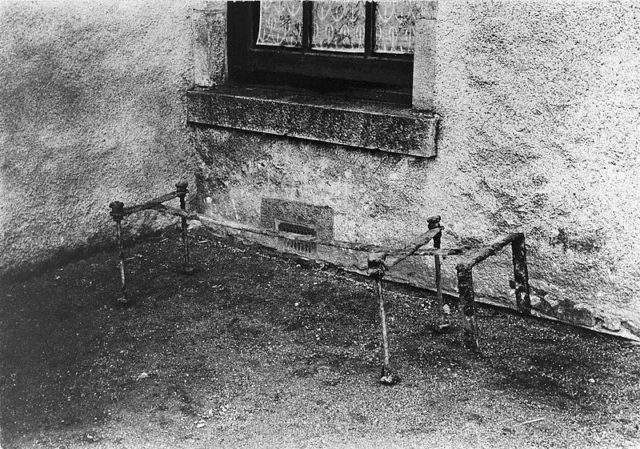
x=255, y=350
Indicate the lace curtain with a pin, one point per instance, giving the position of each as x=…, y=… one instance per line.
x=339, y=26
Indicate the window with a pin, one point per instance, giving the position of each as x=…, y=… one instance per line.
x=345, y=50
x=356, y=48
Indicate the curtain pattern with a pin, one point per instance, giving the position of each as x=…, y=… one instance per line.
x=280, y=23
x=339, y=25
x=395, y=26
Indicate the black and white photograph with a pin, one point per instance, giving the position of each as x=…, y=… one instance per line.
x=319, y=224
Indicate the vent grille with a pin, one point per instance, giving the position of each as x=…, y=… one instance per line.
x=295, y=228
x=306, y=248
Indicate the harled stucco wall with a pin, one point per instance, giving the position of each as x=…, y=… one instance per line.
x=539, y=103
x=91, y=110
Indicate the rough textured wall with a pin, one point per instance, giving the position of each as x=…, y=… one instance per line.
x=539, y=103
x=91, y=110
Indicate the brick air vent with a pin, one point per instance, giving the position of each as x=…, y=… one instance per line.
x=299, y=218
x=307, y=248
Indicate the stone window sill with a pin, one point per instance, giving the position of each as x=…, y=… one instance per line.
x=355, y=123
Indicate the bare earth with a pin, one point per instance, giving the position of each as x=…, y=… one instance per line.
x=257, y=351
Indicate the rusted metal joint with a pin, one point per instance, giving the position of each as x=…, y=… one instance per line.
x=376, y=264
x=117, y=210
x=182, y=188
x=434, y=222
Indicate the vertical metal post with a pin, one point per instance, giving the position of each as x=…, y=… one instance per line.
x=182, y=190
x=117, y=213
x=376, y=270
x=443, y=322
x=467, y=297
x=383, y=320
x=520, y=274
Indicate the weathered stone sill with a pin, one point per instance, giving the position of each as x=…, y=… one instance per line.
x=370, y=125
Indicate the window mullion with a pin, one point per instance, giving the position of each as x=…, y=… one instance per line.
x=254, y=23
x=307, y=25
x=369, y=28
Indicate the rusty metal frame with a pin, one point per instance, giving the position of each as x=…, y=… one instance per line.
x=119, y=211
x=380, y=260
x=465, y=281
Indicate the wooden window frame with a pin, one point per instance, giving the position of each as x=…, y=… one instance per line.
x=362, y=75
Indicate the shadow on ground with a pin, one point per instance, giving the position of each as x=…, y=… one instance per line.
x=257, y=351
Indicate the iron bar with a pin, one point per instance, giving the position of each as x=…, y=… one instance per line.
x=151, y=204
x=443, y=322
x=182, y=190
x=376, y=270
x=520, y=274
x=117, y=213
x=477, y=256
x=467, y=298
x=383, y=320
x=398, y=256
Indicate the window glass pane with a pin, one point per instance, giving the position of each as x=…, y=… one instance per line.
x=338, y=26
x=280, y=23
x=395, y=26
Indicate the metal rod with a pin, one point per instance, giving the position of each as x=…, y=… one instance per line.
x=117, y=213
x=376, y=268
x=443, y=317
x=414, y=246
x=383, y=320
x=390, y=252
x=123, y=297
x=520, y=274
x=150, y=204
x=478, y=255
x=467, y=297
x=182, y=191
